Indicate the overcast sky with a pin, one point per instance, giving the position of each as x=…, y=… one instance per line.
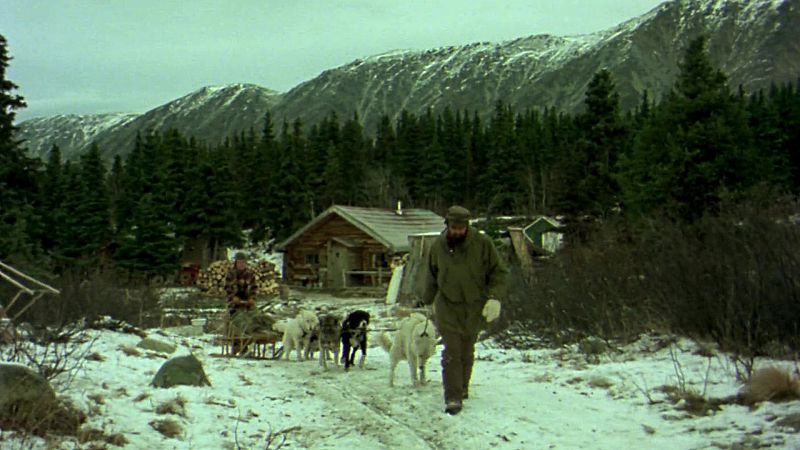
x=96, y=56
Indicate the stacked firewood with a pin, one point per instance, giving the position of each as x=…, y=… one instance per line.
x=212, y=280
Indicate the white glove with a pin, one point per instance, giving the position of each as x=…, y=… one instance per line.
x=491, y=310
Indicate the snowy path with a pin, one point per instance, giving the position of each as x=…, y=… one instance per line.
x=538, y=399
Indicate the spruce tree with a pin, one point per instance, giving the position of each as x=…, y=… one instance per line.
x=695, y=146
x=258, y=184
x=149, y=247
x=385, y=142
x=53, y=194
x=594, y=189
x=404, y=163
x=352, y=157
x=94, y=209
x=224, y=222
x=18, y=187
x=116, y=180
x=501, y=182
x=291, y=190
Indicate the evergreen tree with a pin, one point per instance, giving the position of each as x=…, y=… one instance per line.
x=531, y=142
x=695, y=146
x=84, y=218
x=385, y=142
x=53, y=194
x=95, y=208
x=291, y=190
x=224, y=223
x=335, y=176
x=501, y=183
x=434, y=178
x=149, y=248
x=595, y=190
x=764, y=121
x=258, y=184
x=404, y=163
x=785, y=102
x=116, y=180
x=18, y=187
x=68, y=246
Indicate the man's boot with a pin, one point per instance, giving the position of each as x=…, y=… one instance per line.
x=453, y=408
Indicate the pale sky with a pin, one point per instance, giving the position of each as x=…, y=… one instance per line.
x=98, y=56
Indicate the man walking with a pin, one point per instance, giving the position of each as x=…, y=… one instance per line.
x=465, y=277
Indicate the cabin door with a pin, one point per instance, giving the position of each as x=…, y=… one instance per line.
x=337, y=265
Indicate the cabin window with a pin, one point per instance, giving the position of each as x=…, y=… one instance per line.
x=379, y=260
x=312, y=258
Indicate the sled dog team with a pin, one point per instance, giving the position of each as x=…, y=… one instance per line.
x=414, y=341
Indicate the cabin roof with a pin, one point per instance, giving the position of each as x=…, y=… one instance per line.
x=386, y=226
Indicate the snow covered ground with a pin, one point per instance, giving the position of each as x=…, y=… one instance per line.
x=534, y=399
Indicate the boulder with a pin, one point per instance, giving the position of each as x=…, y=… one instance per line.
x=25, y=396
x=157, y=346
x=181, y=370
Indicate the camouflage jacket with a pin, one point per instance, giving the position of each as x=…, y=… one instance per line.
x=458, y=281
x=241, y=284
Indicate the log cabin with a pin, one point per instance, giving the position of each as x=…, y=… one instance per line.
x=348, y=246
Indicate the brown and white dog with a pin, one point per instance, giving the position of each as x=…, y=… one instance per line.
x=328, y=338
x=414, y=341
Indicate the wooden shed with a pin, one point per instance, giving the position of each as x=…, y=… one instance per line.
x=542, y=237
x=545, y=233
x=352, y=246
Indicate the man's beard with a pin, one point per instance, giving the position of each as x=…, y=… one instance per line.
x=453, y=241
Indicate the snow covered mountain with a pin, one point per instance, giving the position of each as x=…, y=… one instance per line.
x=209, y=114
x=71, y=132
x=756, y=42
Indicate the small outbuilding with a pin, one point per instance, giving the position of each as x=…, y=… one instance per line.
x=353, y=246
x=542, y=237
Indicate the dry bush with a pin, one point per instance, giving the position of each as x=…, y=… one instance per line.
x=771, y=384
x=94, y=295
x=176, y=406
x=99, y=399
x=130, y=351
x=732, y=277
x=62, y=418
x=55, y=353
x=167, y=427
x=93, y=434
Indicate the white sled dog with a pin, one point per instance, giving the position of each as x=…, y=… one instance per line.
x=414, y=341
x=297, y=332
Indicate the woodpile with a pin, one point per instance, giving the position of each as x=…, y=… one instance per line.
x=212, y=280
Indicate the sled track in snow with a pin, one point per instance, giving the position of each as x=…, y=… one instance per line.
x=359, y=410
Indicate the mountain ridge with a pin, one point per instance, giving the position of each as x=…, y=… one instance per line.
x=754, y=42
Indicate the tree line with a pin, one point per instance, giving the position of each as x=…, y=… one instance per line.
x=677, y=157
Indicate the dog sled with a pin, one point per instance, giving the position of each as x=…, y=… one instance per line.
x=248, y=334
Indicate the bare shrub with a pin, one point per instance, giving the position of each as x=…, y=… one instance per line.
x=94, y=434
x=130, y=351
x=62, y=418
x=167, y=427
x=590, y=289
x=771, y=384
x=95, y=295
x=176, y=406
x=55, y=353
x=732, y=277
